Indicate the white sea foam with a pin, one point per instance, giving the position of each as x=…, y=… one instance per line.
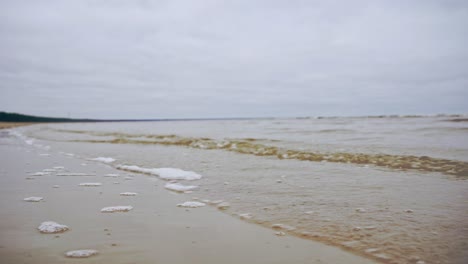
x=128, y=194
x=90, y=184
x=177, y=174
x=59, y=168
x=191, y=204
x=164, y=173
x=81, y=253
x=33, y=199
x=50, y=227
x=111, y=175
x=78, y=174
x=371, y=250
x=245, y=216
x=104, y=159
x=120, y=208
x=40, y=173
x=179, y=187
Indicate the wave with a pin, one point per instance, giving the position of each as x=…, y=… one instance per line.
x=252, y=147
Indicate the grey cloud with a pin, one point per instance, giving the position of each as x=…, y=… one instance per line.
x=238, y=58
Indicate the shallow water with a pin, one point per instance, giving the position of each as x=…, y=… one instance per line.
x=392, y=189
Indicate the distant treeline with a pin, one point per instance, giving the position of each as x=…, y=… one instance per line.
x=14, y=117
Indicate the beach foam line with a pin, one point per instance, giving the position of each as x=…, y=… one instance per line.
x=177, y=187
x=50, y=227
x=33, y=199
x=113, y=209
x=163, y=173
x=104, y=159
x=81, y=253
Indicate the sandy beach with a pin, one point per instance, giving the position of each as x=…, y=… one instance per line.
x=5, y=125
x=156, y=230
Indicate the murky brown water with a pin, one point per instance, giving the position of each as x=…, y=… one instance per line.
x=393, y=189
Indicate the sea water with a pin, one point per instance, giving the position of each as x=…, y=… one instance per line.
x=394, y=189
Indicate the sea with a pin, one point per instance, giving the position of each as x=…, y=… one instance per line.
x=391, y=188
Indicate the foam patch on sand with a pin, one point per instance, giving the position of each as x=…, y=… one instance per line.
x=191, y=204
x=245, y=216
x=54, y=169
x=179, y=187
x=129, y=194
x=77, y=174
x=104, y=159
x=90, y=184
x=177, y=174
x=120, y=208
x=164, y=173
x=33, y=199
x=40, y=173
x=82, y=253
x=50, y=227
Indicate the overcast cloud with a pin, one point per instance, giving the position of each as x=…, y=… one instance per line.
x=185, y=59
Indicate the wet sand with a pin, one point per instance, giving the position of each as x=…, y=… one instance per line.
x=4, y=125
x=155, y=231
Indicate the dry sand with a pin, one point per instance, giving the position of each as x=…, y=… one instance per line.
x=154, y=231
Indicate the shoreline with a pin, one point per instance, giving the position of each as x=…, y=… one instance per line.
x=156, y=230
x=7, y=125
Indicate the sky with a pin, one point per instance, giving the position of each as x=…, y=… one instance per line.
x=205, y=59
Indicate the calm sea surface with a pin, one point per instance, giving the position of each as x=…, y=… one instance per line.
x=393, y=189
